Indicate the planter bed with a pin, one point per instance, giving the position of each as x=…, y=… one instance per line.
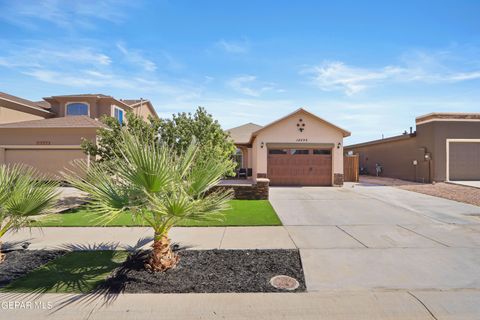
x=20, y=262
x=210, y=271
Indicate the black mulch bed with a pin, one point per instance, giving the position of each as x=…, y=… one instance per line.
x=210, y=271
x=20, y=262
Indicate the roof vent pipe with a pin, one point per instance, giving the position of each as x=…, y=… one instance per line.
x=411, y=130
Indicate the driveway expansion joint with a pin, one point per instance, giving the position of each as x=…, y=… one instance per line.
x=424, y=236
x=363, y=244
x=423, y=304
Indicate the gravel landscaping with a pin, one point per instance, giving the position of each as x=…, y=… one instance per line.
x=211, y=271
x=20, y=262
x=449, y=191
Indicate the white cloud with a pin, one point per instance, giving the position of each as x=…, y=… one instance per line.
x=419, y=67
x=35, y=57
x=236, y=47
x=338, y=76
x=248, y=85
x=64, y=13
x=136, y=57
x=92, y=70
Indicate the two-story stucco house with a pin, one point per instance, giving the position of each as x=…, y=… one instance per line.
x=298, y=149
x=47, y=134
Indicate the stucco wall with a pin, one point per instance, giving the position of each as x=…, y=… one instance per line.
x=434, y=135
x=286, y=131
x=48, y=161
x=44, y=136
x=396, y=158
x=8, y=115
x=143, y=111
x=98, y=107
x=48, y=150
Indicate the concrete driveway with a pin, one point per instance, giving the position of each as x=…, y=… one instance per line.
x=367, y=237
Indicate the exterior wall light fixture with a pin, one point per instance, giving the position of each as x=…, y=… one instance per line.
x=262, y=144
x=339, y=145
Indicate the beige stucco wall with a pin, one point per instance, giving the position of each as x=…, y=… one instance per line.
x=396, y=158
x=286, y=131
x=143, y=111
x=97, y=107
x=45, y=136
x=49, y=161
x=8, y=115
x=49, y=150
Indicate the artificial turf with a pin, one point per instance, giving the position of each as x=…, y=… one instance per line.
x=241, y=213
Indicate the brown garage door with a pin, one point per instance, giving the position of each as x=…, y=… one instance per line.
x=47, y=161
x=299, y=167
x=464, y=161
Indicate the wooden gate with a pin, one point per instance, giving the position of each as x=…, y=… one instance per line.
x=351, y=168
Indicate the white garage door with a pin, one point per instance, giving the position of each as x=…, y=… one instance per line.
x=47, y=161
x=464, y=160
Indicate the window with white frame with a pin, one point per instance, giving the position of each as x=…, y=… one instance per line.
x=118, y=114
x=77, y=109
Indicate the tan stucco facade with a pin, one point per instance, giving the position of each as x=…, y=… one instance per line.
x=445, y=146
x=299, y=130
x=286, y=132
x=40, y=134
x=45, y=136
x=145, y=110
x=49, y=150
x=97, y=107
x=8, y=115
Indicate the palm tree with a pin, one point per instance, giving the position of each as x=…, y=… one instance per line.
x=157, y=187
x=23, y=193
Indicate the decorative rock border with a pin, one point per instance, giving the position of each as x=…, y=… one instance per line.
x=255, y=191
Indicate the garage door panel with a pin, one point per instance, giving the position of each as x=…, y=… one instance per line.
x=300, y=169
x=47, y=161
x=464, y=160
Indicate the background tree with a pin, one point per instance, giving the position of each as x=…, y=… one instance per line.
x=107, y=146
x=157, y=186
x=177, y=133
x=213, y=140
x=23, y=193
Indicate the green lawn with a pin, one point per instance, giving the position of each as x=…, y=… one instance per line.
x=75, y=272
x=242, y=213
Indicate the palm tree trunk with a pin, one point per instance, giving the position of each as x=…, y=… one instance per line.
x=2, y=255
x=162, y=257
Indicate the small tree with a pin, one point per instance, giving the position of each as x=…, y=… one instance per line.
x=214, y=141
x=23, y=193
x=157, y=186
x=177, y=133
x=107, y=147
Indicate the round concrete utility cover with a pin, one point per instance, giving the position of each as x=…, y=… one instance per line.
x=284, y=282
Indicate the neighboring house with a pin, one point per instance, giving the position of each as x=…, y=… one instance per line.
x=444, y=147
x=47, y=134
x=298, y=149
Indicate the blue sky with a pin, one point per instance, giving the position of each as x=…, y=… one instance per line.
x=368, y=66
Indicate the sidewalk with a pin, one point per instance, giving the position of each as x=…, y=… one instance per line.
x=124, y=237
x=366, y=305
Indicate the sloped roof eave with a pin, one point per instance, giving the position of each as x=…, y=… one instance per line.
x=345, y=133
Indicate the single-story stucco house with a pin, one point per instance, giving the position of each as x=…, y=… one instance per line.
x=47, y=134
x=444, y=147
x=298, y=149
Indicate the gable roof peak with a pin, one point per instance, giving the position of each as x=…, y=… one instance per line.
x=344, y=132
